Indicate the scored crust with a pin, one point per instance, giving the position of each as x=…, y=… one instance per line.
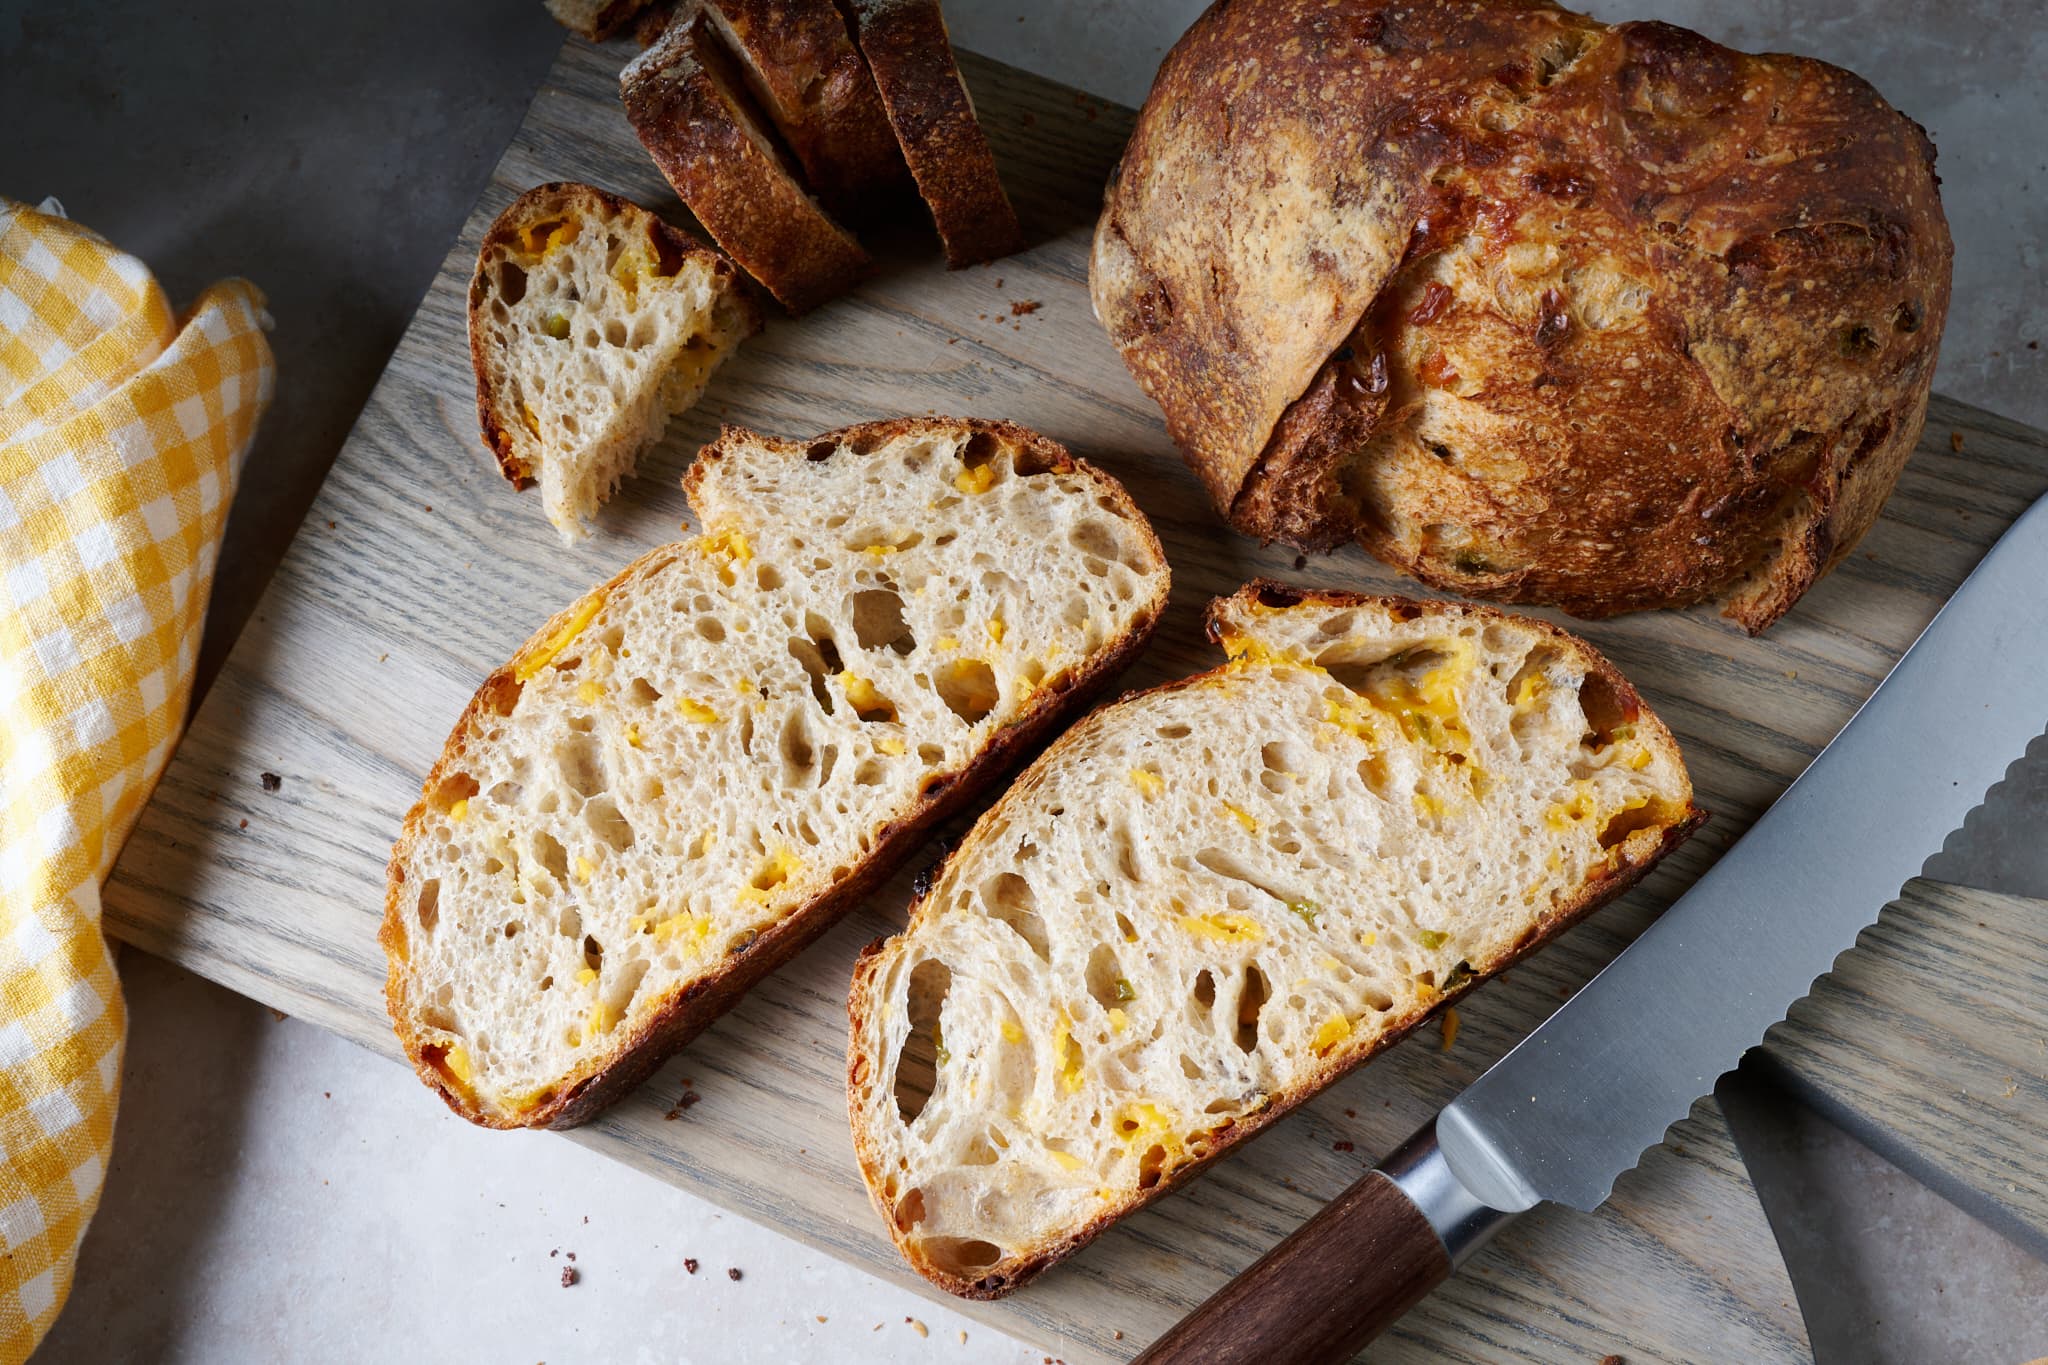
x=635, y=1052
x=803, y=68
x=1534, y=308
x=932, y=114
x=688, y=105
x=868, y=1006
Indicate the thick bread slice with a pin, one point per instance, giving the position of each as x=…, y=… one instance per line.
x=689, y=107
x=803, y=68
x=928, y=105
x=1208, y=901
x=591, y=323
x=596, y=20
x=687, y=775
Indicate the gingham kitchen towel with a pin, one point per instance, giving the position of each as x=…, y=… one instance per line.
x=122, y=427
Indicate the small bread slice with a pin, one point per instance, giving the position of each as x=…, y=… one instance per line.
x=596, y=20
x=687, y=775
x=591, y=323
x=802, y=67
x=687, y=102
x=1208, y=901
x=906, y=46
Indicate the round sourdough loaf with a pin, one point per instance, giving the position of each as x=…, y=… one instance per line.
x=1532, y=307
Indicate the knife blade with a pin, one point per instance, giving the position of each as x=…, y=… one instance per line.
x=1579, y=1100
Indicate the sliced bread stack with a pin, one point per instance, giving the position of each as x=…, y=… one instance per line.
x=1208, y=901
x=768, y=116
x=691, y=772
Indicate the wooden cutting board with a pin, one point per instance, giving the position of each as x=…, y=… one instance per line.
x=418, y=570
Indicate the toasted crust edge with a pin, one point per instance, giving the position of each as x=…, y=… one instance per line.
x=672, y=1024
x=932, y=115
x=861, y=994
x=689, y=120
x=497, y=439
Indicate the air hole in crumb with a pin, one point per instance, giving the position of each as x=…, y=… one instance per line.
x=1151, y=1166
x=1205, y=989
x=968, y=688
x=608, y=823
x=1173, y=732
x=549, y=853
x=643, y=692
x=1010, y=899
x=1623, y=823
x=767, y=577
x=1106, y=981
x=1605, y=708
x=910, y=1209
x=799, y=758
x=878, y=621
x=1250, y=1000
x=960, y=1255
x=710, y=628
x=430, y=902
x=916, y=1064
x=511, y=282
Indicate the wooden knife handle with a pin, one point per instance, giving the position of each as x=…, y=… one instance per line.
x=1339, y=1281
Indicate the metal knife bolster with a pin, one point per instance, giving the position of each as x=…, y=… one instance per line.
x=1462, y=1221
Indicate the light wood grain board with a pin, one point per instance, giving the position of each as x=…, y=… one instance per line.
x=418, y=570
x=1929, y=1041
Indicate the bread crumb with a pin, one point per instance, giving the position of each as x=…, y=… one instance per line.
x=690, y=1265
x=918, y=1327
x=1449, y=1025
x=1612, y=1360
x=1955, y=442
x=1021, y=307
x=570, y=1275
x=732, y=1272
x=271, y=782
x=330, y=523
x=689, y=1098
x=821, y=1317
x=1342, y=1146
x=1350, y=1113
x=1117, y=1335
x=279, y=1015
x=963, y=1338
x=243, y=825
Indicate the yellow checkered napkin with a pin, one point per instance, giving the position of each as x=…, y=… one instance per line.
x=122, y=427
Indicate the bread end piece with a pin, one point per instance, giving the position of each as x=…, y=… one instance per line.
x=906, y=47
x=688, y=104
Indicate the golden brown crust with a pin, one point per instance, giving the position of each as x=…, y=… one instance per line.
x=602, y=1081
x=1625, y=873
x=1534, y=308
x=557, y=198
x=804, y=69
x=906, y=47
x=689, y=108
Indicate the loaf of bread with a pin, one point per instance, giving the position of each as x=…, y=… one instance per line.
x=1532, y=307
x=686, y=98
x=591, y=323
x=688, y=774
x=1208, y=901
x=804, y=70
x=908, y=49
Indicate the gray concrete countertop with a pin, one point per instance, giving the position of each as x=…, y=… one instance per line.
x=277, y=1193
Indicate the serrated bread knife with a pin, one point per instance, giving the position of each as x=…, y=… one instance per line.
x=1579, y=1100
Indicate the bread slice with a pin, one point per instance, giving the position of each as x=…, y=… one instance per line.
x=591, y=323
x=688, y=774
x=906, y=46
x=802, y=67
x=596, y=20
x=1205, y=903
x=688, y=104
